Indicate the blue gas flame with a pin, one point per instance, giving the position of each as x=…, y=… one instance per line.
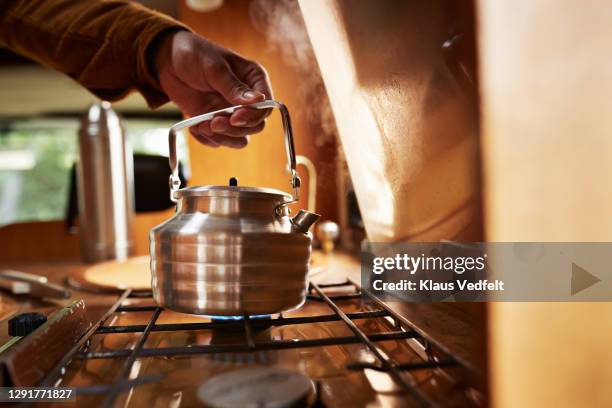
x=239, y=317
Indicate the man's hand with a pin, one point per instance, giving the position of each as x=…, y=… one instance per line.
x=200, y=77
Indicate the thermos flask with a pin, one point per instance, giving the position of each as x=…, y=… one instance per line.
x=104, y=185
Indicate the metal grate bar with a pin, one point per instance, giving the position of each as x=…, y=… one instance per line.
x=408, y=325
x=127, y=368
x=281, y=321
x=422, y=398
x=248, y=332
x=51, y=377
x=136, y=308
x=335, y=297
x=240, y=348
x=143, y=294
x=346, y=282
x=355, y=295
x=404, y=367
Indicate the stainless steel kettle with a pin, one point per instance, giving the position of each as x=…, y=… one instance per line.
x=230, y=250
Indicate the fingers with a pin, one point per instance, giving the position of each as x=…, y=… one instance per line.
x=248, y=117
x=256, y=77
x=221, y=125
x=229, y=141
x=214, y=140
x=204, y=140
x=210, y=133
x=212, y=78
x=222, y=78
x=238, y=93
x=252, y=74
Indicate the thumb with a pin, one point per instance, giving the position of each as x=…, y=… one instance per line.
x=224, y=81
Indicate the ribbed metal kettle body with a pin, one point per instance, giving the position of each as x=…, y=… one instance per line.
x=229, y=251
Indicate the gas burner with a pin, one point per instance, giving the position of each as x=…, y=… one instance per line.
x=257, y=326
x=234, y=318
x=258, y=388
x=241, y=323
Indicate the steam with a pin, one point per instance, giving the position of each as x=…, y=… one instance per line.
x=282, y=23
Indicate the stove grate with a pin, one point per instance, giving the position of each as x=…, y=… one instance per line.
x=438, y=356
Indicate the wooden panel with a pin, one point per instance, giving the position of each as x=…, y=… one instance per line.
x=546, y=86
x=49, y=240
x=37, y=240
x=408, y=129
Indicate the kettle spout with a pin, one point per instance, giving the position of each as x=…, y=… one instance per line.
x=303, y=220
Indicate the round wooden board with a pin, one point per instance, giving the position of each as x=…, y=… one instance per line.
x=114, y=276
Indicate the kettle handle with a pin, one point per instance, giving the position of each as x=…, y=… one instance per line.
x=175, y=181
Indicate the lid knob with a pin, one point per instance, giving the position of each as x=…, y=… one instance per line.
x=25, y=323
x=233, y=181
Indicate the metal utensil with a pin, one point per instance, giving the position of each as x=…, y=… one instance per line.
x=23, y=283
x=232, y=250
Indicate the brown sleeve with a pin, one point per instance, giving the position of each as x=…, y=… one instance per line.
x=102, y=44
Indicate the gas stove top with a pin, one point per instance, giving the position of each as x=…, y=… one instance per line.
x=342, y=348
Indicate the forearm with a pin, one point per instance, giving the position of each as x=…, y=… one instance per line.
x=101, y=44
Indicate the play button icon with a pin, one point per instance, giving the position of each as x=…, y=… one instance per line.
x=582, y=279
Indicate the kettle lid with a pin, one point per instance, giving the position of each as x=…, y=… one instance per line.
x=234, y=191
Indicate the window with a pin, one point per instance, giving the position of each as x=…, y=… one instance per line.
x=37, y=155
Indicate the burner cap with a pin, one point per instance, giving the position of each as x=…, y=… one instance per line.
x=260, y=387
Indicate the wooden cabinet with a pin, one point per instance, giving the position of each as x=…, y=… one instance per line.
x=546, y=77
